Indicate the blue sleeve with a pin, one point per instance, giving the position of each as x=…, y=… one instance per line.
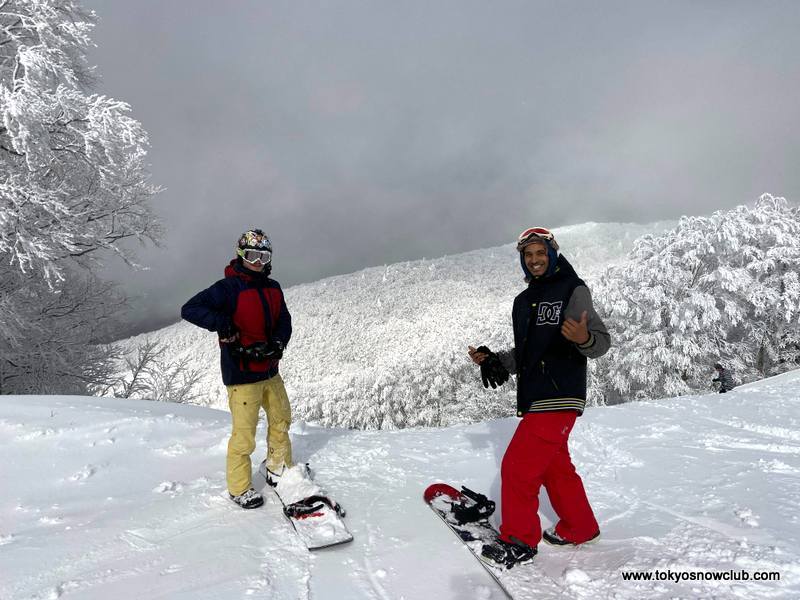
x=210, y=309
x=283, y=328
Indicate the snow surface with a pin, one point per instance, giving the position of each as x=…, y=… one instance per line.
x=105, y=498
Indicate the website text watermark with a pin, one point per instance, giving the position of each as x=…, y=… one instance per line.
x=679, y=576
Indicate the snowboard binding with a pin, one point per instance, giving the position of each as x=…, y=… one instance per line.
x=308, y=506
x=472, y=507
x=466, y=506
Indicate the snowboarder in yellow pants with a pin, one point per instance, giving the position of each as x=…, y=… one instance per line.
x=248, y=312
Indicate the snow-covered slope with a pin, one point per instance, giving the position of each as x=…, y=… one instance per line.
x=386, y=347
x=106, y=498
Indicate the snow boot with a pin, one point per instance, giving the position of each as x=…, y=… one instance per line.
x=551, y=537
x=248, y=499
x=507, y=554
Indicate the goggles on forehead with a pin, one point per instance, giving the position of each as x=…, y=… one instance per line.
x=536, y=233
x=253, y=256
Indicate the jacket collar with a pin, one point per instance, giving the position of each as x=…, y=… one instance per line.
x=235, y=269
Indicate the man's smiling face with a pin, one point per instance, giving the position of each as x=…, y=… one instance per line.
x=536, y=258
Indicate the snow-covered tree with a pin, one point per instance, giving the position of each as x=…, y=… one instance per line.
x=73, y=186
x=720, y=288
x=148, y=372
x=49, y=342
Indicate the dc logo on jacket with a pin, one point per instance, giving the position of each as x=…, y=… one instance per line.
x=549, y=313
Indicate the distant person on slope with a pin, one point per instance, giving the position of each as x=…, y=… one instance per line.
x=555, y=330
x=248, y=312
x=725, y=379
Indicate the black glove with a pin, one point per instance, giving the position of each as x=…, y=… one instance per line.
x=274, y=349
x=227, y=331
x=492, y=370
x=258, y=352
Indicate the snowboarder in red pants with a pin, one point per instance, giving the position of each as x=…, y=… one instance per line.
x=555, y=330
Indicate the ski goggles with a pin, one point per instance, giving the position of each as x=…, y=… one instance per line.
x=532, y=234
x=253, y=256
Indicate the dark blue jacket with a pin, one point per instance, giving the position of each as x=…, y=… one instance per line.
x=249, y=303
x=551, y=372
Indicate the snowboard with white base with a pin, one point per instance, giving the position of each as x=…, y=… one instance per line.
x=316, y=518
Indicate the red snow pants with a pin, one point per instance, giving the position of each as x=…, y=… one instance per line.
x=538, y=455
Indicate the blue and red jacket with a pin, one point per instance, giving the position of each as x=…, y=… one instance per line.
x=247, y=302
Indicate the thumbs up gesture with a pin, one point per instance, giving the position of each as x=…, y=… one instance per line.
x=577, y=331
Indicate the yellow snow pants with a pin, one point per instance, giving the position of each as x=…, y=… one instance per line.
x=245, y=400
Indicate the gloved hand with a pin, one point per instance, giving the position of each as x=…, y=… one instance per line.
x=228, y=333
x=492, y=370
x=274, y=349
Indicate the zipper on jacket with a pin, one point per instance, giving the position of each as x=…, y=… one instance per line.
x=268, y=325
x=545, y=371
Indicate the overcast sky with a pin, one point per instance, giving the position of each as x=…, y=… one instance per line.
x=363, y=133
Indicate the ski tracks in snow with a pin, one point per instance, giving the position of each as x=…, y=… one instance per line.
x=127, y=499
x=125, y=506
x=710, y=496
x=349, y=474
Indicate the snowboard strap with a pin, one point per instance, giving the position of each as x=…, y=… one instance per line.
x=307, y=506
x=482, y=508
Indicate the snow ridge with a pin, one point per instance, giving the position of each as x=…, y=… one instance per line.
x=385, y=347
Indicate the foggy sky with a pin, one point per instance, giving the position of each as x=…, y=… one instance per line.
x=363, y=133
